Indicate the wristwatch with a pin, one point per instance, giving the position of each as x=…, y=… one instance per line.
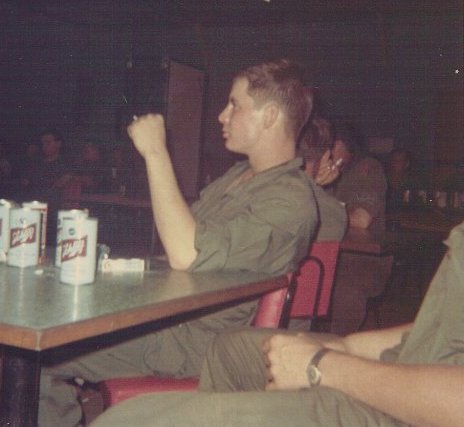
x=313, y=372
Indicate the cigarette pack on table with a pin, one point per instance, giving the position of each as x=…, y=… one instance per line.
x=122, y=265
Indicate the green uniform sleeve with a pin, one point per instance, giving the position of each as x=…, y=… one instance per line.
x=267, y=233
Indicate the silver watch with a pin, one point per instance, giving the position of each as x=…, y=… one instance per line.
x=313, y=372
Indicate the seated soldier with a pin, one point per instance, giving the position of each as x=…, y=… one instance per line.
x=314, y=146
x=362, y=184
x=259, y=216
x=397, y=377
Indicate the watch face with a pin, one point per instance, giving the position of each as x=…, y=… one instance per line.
x=314, y=375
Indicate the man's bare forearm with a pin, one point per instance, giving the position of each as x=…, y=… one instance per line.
x=174, y=221
x=370, y=344
x=421, y=395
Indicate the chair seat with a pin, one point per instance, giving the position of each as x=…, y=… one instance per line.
x=118, y=389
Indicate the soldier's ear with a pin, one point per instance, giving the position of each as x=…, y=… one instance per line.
x=271, y=113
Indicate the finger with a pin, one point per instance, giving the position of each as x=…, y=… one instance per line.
x=267, y=361
x=326, y=157
x=269, y=376
x=266, y=346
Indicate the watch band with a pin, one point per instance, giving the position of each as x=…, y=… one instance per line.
x=318, y=356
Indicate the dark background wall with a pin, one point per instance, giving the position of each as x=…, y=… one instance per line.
x=396, y=74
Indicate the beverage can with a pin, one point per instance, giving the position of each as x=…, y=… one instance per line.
x=5, y=206
x=62, y=214
x=78, y=250
x=24, y=242
x=42, y=207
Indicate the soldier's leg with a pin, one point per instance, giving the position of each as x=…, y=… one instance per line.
x=320, y=407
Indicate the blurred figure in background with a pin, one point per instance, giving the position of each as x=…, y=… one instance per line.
x=398, y=178
x=90, y=171
x=6, y=172
x=119, y=170
x=48, y=177
x=27, y=162
x=362, y=185
x=50, y=173
x=5, y=164
x=314, y=146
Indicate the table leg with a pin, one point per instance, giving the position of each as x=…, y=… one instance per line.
x=19, y=393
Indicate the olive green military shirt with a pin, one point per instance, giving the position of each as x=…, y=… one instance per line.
x=264, y=224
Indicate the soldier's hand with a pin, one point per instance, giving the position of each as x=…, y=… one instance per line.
x=148, y=134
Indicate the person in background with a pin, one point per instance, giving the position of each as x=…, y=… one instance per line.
x=47, y=179
x=6, y=172
x=27, y=162
x=314, y=146
x=408, y=375
x=90, y=171
x=51, y=172
x=362, y=184
x=259, y=216
x=6, y=168
x=398, y=178
x=362, y=187
x=119, y=170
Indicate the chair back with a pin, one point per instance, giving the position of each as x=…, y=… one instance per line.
x=310, y=292
x=270, y=307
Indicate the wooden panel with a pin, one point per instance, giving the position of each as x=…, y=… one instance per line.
x=184, y=111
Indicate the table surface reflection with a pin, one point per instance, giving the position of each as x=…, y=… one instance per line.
x=37, y=311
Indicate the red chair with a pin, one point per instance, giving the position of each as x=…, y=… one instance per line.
x=114, y=390
x=308, y=294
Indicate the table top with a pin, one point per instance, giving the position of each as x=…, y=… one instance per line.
x=38, y=312
x=385, y=242
x=428, y=220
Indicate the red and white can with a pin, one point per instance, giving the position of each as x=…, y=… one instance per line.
x=24, y=234
x=5, y=206
x=63, y=214
x=78, y=250
x=42, y=207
